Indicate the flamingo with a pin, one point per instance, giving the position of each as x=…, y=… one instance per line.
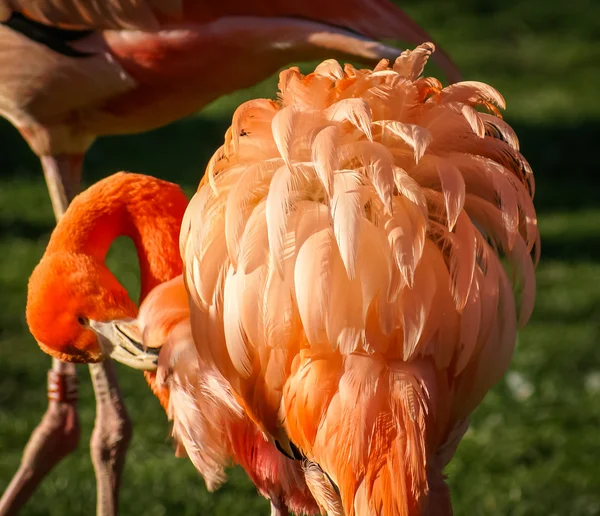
x=208, y=424
x=343, y=258
x=72, y=70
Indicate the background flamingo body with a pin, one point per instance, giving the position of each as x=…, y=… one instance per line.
x=174, y=56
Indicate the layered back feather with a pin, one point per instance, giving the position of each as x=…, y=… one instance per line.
x=345, y=258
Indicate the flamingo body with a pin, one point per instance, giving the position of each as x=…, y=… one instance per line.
x=342, y=258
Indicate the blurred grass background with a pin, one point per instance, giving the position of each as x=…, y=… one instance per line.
x=534, y=444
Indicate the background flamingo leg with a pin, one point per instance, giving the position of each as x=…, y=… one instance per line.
x=110, y=438
x=57, y=435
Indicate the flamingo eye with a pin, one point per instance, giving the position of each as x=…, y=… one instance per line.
x=84, y=321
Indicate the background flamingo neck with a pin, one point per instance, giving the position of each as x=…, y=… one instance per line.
x=143, y=208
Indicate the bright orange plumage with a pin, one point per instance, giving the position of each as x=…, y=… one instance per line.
x=72, y=272
x=71, y=287
x=343, y=257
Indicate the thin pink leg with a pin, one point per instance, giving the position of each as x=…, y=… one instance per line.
x=110, y=438
x=55, y=437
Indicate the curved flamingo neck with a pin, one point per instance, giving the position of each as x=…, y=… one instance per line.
x=143, y=208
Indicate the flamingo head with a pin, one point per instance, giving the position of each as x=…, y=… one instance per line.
x=71, y=303
x=163, y=317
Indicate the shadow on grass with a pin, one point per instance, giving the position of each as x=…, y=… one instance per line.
x=24, y=229
x=565, y=164
x=562, y=157
x=575, y=248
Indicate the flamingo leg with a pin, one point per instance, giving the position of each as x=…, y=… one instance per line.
x=110, y=438
x=57, y=435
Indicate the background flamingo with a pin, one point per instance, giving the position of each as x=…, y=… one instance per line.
x=88, y=69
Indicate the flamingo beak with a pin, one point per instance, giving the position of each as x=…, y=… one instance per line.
x=121, y=340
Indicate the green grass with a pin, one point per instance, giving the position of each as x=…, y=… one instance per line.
x=534, y=445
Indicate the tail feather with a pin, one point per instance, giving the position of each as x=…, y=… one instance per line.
x=209, y=425
x=372, y=439
x=323, y=490
x=201, y=406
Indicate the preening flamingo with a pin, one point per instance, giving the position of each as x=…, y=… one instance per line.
x=72, y=70
x=209, y=426
x=344, y=260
